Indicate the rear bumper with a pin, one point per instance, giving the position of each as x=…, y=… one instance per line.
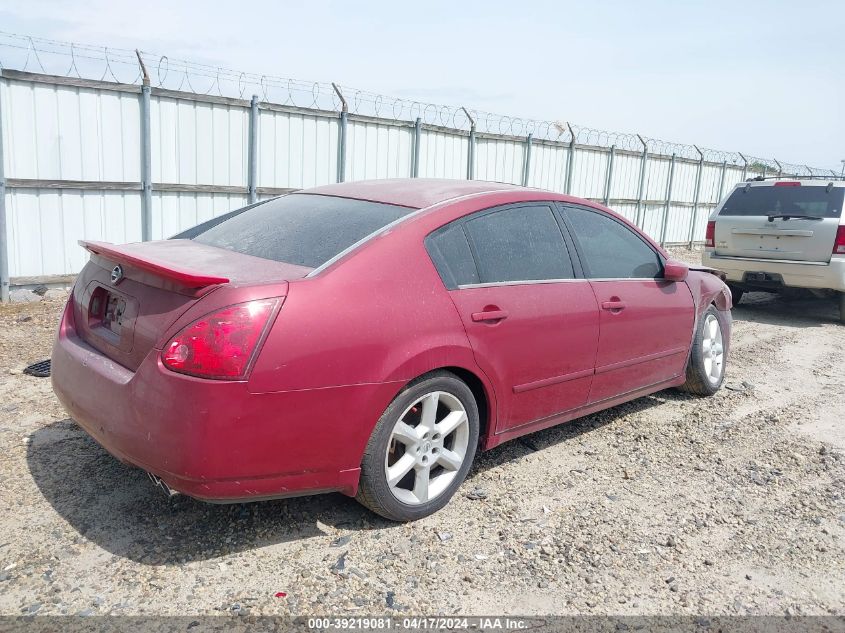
x=829, y=276
x=214, y=440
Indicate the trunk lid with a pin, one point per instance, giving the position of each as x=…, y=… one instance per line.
x=782, y=220
x=128, y=296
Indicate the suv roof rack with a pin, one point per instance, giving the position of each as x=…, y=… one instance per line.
x=829, y=178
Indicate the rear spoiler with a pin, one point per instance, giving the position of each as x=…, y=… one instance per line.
x=131, y=255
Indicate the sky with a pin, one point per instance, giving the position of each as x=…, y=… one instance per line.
x=763, y=78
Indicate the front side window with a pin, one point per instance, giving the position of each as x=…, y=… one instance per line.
x=519, y=244
x=609, y=249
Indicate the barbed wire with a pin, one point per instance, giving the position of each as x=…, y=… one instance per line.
x=68, y=59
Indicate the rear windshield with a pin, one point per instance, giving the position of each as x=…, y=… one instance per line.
x=815, y=201
x=302, y=229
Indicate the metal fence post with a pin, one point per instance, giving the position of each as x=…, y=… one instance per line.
x=146, y=157
x=4, y=238
x=695, y=197
x=471, y=148
x=252, y=158
x=341, y=147
x=641, y=188
x=744, y=167
x=471, y=154
x=571, y=162
x=526, y=167
x=668, y=202
x=341, y=135
x=415, y=158
x=608, y=178
x=722, y=179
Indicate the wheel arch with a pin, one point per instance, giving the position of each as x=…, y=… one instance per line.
x=482, y=400
x=482, y=390
x=708, y=289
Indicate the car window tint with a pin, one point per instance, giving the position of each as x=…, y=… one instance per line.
x=813, y=200
x=450, y=253
x=302, y=229
x=611, y=249
x=519, y=244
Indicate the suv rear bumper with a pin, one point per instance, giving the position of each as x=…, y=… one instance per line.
x=816, y=275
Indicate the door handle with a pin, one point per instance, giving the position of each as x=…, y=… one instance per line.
x=490, y=315
x=614, y=305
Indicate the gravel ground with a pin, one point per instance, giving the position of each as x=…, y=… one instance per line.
x=667, y=505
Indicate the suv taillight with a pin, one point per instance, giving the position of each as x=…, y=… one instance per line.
x=710, y=235
x=839, y=244
x=222, y=344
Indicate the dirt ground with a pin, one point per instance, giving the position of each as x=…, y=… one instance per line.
x=666, y=505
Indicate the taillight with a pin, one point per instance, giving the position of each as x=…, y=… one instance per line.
x=710, y=235
x=221, y=344
x=787, y=183
x=839, y=244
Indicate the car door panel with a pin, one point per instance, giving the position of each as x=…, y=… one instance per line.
x=647, y=341
x=542, y=354
x=532, y=325
x=645, y=322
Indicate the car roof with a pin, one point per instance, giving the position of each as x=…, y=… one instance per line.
x=416, y=193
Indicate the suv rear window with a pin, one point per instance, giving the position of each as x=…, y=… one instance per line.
x=814, y=200
x=302, y=229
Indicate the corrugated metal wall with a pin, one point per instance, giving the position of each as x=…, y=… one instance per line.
x=72, y=164
x=443, y=155
x=197, y=143
x=296, y=150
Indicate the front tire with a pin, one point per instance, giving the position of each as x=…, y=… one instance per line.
x=421, y=449
x=706, y=366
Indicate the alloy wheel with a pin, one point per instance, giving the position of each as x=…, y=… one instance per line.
x=713, y=349
x=427, y=448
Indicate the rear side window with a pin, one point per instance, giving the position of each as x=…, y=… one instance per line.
x=519, y=244
x=813, y=201
x=302, y=229
x=611, y=249
x=449, y=250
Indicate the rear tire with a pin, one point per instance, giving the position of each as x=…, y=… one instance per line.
x=708, y=356
x=736, y=293
x=421, y=449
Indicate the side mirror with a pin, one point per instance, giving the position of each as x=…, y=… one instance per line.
x=673, y=270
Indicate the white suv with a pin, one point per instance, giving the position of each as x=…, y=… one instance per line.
x=775, y=234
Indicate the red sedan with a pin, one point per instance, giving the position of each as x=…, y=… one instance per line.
x=368, y=337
